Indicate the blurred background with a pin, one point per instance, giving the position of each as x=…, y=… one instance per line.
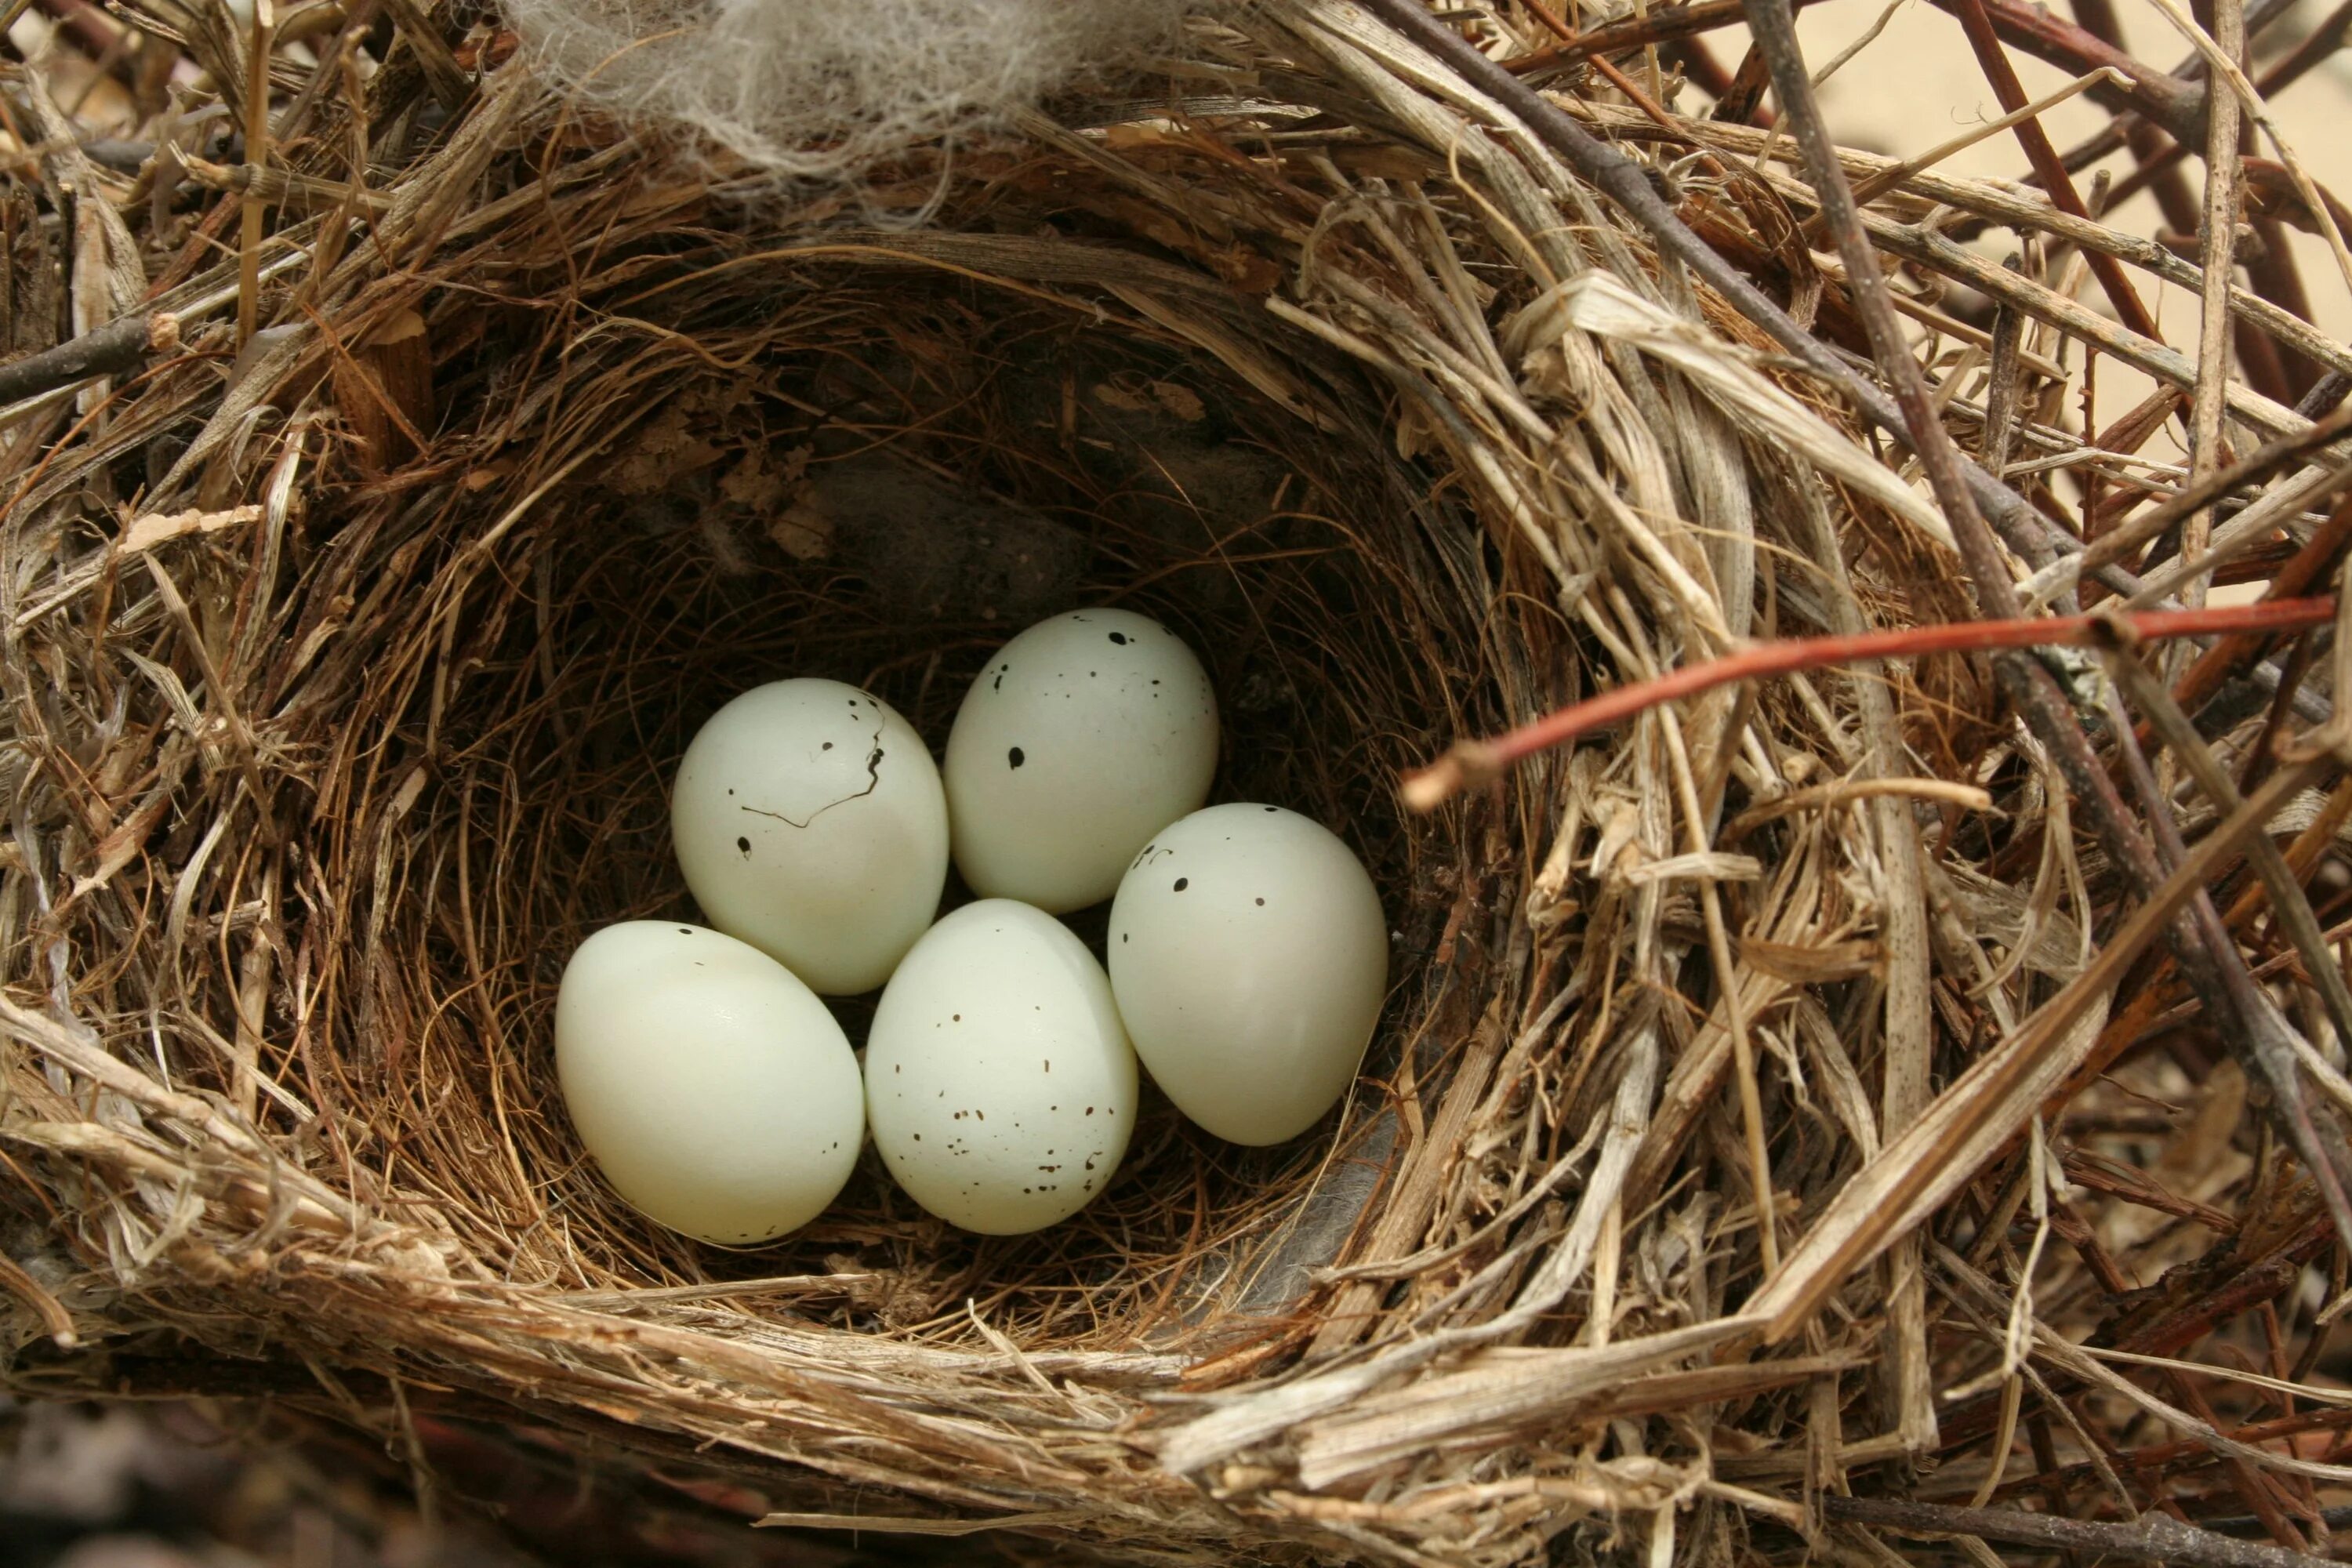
x=1916, y=85
x=248, y=1483
x=136, y=1486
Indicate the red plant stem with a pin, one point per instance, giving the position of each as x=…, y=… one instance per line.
x=1473, y=762
x=2176, y=105
x=2002, y=76
x=2145, y=139
x=2158, y=95
x=2274, y=275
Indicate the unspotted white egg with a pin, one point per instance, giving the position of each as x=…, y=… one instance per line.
x=1249, y=959
x=1085, y=735
x=810, y=822
x=998, y=1082
x=714, y=1089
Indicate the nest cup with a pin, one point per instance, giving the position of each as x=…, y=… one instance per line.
x=906, y=465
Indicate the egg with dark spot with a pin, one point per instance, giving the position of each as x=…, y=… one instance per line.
x=810, y=822
x=1035, y=1029
x=1250, y=969
x=1064, y=761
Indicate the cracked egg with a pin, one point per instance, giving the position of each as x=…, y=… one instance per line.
x=809, y=820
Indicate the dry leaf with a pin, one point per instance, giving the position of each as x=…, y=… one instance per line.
x=1181, y=401
x=804, y=531
x=155, y=528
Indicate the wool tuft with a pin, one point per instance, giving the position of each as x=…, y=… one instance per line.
x=821, y=90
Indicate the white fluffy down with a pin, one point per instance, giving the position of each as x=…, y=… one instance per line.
x=822, y=90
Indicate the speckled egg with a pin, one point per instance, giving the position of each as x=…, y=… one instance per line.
x=1249, y=959
x=999, y=1083
x=809, y=821
x=1083, y=737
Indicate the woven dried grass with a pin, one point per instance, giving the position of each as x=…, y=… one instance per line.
x=345, y=672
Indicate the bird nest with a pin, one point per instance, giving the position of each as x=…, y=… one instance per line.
x=1787, y=1087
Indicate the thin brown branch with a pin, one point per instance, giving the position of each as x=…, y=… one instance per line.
x=1976, y=22
x=2099, y=17
x=2252, y=469
x=2271, y=272
x=2155, y=1537
x=102, y=351
x=2220, y=235
x=2322, y=44
x=1742, y=101
x=2264, y=1035
x=2176, y=105
x=1660, y=27
x=2307, y=568
x=2288, y=902
x=2212, y=964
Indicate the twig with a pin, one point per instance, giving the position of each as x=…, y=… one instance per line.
x=2322, y=44
x=2029, y=687
x=2263, y=1034
x=1894, y=174
x=1741, y=102
x=2156, y=1537
x=2305, y=570
x=2254, y=468
x=2158, y=96
x=1931, y=247
x=2325, y=397
x=2207, y=959
x=448, y=80
x=1976, y=22
x=1660, y=27
x=2288, y=902
x=2229, y=74
x=1937, y=251
x=1618, y=177
x=2002, y=392
x=1470, y=762
x=102, y=351
x=2247, y=1525
x=257, y=154
x=2098, y=16
x=2221, y=239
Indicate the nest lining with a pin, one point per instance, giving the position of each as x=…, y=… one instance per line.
x=641, y=597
